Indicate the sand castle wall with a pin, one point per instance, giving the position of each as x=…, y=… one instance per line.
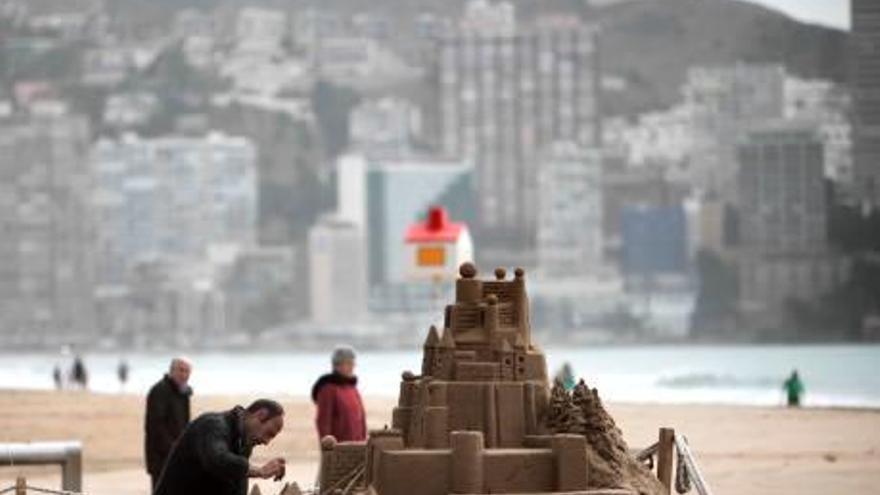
x=467, y=466
x=338, y=459
x=505, y=412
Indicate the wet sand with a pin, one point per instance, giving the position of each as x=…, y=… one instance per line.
x=746, y=450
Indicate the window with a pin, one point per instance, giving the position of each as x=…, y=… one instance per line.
x=431, y=256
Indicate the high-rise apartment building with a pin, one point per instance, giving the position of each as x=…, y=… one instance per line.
x=865, y=86
x=172, y=197
x=46, y=273
x=570, y=211
x=337, y=271
x=504, y=93
x=782, y=196
x=724, y=103
x=783, y=251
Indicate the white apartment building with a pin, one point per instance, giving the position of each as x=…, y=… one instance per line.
x=570, y=211
x=172, y=197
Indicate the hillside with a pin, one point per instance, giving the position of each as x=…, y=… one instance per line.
x=648, y=43
x=652, y=43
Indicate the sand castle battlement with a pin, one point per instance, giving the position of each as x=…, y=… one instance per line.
x=486, y=335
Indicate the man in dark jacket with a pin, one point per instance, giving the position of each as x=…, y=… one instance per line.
x=168, y=413
x=340, y=409
x=212, y=456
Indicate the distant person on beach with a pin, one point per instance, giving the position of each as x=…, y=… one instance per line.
x=566, y=376
x=79, y=375
x=340, y=409
x=122, y=373
x=56, y=377
x=794, y=389
x=213, y=455
x=168, y=413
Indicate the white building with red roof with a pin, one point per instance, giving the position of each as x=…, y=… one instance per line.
x=437, y=246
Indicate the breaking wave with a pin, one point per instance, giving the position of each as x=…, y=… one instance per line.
x=700, y=379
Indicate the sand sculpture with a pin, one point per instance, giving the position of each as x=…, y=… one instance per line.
x=287, y=489
x=482, y=418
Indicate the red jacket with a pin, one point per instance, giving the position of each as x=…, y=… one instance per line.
x=340, y=409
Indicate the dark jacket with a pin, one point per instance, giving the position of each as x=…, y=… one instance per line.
x=340, y=409
x=167, y=415
x=211, y=458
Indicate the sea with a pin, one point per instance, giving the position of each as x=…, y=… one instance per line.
x=834, y=375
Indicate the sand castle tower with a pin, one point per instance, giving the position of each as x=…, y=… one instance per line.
x=483, y=374
x=476, y=419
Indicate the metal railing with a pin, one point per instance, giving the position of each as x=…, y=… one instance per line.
x=66, y=454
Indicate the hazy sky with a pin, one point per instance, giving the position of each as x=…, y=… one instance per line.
x=830, y=12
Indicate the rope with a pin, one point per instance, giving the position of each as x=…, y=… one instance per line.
x=354, y=480
x=51, y=491
x=691, y=469
x=353, y=474
x=646, y=456
x=648, y=452
x=40, y=490
x=682, y=475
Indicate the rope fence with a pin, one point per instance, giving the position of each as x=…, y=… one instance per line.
x=350, y=480
x=647, y=455
x=687, y=474
x=692, y=472
x=22, y=488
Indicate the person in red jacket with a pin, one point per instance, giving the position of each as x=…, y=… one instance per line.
x=340, y=409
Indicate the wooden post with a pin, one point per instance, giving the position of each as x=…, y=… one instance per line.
x=665, y=446
x=20, y=486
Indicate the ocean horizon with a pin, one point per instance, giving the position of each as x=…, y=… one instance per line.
x=840, y=375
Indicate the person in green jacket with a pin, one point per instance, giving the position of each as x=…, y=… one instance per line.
x=566, y=376
x=794, y=389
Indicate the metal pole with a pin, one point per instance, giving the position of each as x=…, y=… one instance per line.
x=71, y=471
x=20, y=486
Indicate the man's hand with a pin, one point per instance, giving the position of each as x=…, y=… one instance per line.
x=273, y=469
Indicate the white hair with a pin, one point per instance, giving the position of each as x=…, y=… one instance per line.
x=342, y=354
x=180, y=360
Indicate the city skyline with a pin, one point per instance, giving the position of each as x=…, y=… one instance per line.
x=558, y=247
x=305, y=149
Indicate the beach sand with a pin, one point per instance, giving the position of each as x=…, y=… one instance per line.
x=744, y=450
